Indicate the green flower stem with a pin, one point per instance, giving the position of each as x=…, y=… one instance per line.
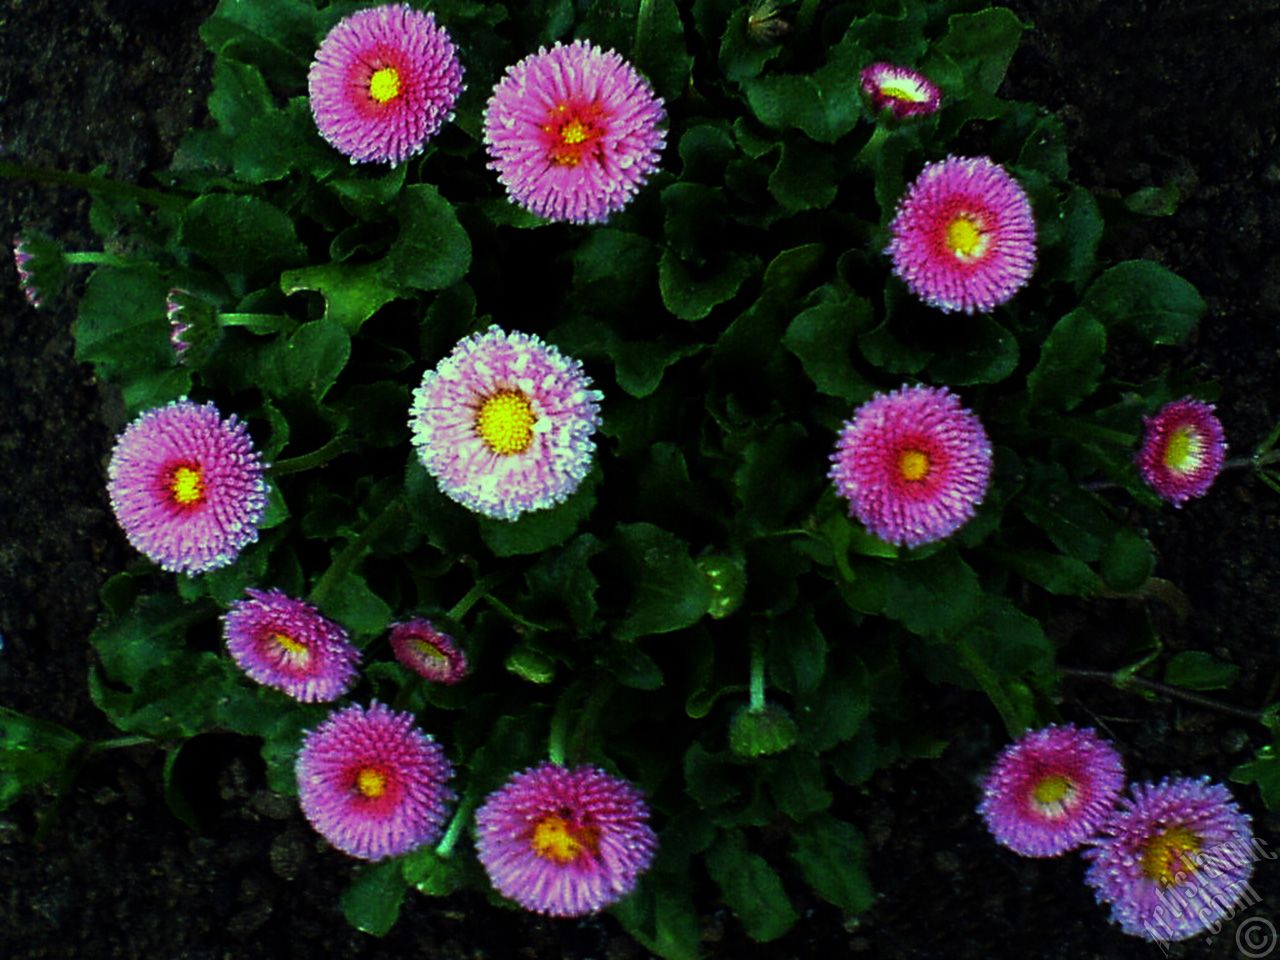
x=94, y=184
x=118, y=743
x=97, y=258
x=354, y=551
x=316, y=458
x=478, y=591
x=991, y=687
x=757, y=671
x=1126, y=680
x=589, y=720
x=461, y=817
x=1091, y=432
x=260, y=323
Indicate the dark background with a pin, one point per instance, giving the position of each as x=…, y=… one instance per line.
x=1152, y=94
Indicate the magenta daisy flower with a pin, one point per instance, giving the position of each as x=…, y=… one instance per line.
x=288, y=644
x=187, y=486
x=373, y=784
x=1048, y=792
x=426, y=651
x=573, y=132
x=383, y=83
x=900, y=90
x=913, y=464
x=1183, y=450
x=564, y=842
x=1174, y=860
x=504, y=424
x=963, y=236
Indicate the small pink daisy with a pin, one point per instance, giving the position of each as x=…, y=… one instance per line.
x=187, y=486
x=426, y=651
x=383, y=83
x=1049, y=791
x=900, y=90
x=288, y=644
x=963, y=236
x=504, y=424
x=1183, y=450
x=573, y=132
x=373, y=784
x=913, y=464
x=564, y=842
x=1174, y=861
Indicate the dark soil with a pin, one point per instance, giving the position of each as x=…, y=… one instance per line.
x=1183, y=92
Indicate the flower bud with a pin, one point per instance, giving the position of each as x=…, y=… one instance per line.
x=761, y=733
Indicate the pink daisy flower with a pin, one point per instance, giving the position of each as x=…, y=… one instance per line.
x=373, y=784
x=426, y=651
x=383, y=83
x=1049, y=791
x=504, y=424
x=573, y=132
x=1183, y=450
x=288, y=644
x=900, y=90
x=187, y=487
x=913, y=464
x=963, y=236
x=564, y=842
x=1174, y=860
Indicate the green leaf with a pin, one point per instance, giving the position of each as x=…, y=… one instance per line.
x=822, y=338
x=353, y=603
x=798, y=785
x=631, y=665
x=372, y=902
x=773, y=482
x=539, y=530
x=240, y=234
x=31, y=751
x=1264, y=770
x=690, y=295
x=565, y=575
x=659, y=51
x=662, y=915
x=668, y=591
x=1070, y=362
x=431, y=874
x=122, y=325
x=1196, y=670
x=750, y=888
x=312, y=358
x=1142, y=298
x=823, y=104
x=1127, y=562
x=982, y=44
x=934, y=596
x=352, y=294
x=832, y=856
x=805, y=177
x=433, y=251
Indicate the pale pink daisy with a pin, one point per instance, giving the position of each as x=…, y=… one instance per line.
x=913, y=464
x=187, y=487
x=1183, y=450
x=1050, y=790
x=1174, y=861
x=372, y=783
x=900, y=90
x=564, y=842
x=504, y=424
x=964, y=237
x=288, y=644
x=573, y=132
x=384, y=81
x=428, y=651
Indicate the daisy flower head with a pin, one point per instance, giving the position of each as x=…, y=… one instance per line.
x=564, y=842
x=504, y=424
x=1172, y=861
x=373, y=784
x=913, y=464
x=573, y=132
x=1048, y=792
x=288, y=644
x=41, y=265
x=383, y=82
x=187, y=486
x=963, y=236
x=901, y=91
x=428, y=651
x=1183, y=450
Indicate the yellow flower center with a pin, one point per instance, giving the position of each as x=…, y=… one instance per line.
x=186, y=483
x=1052, y=790
x=910, y=94
x=505, y=422
x=371, y=782
x=573, y=132
x=558, y=840
x=913, y=464
x=429, y=652
x=293, y=650
x=965, y=237
x=1162, y=858
x=1184, y=450
x=384, y=85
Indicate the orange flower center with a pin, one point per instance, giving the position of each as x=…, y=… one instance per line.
x=186, y=484
x=371, y=782
x=1162, y=856
x=295, y=652
x=505, y=422
x=574, y=131
x=913, y=464
x=556, y=839
x=384, y=85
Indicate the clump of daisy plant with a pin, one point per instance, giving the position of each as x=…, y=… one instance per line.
x=632, y=446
